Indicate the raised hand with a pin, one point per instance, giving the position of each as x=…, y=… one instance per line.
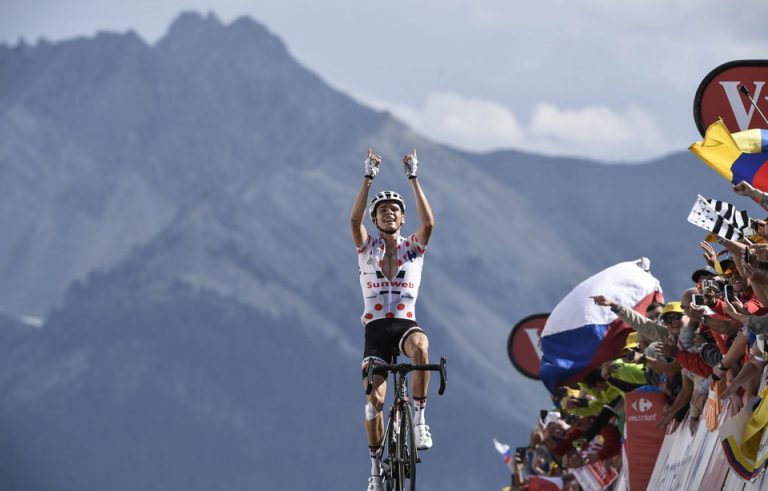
x=733, y=312
x=746, y=189
x=668, y=349
x=410, y=164
x=372, y=164
x=603, y=301
x=709, y=253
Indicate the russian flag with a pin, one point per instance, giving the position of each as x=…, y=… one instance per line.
x=741, y=156
x=506, y=453
x=580, y=335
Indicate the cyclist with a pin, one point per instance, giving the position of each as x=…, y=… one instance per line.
x=390, y=273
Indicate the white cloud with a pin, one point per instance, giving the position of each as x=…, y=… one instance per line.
x=595, y=132
x=468, y=123
x=599, y=132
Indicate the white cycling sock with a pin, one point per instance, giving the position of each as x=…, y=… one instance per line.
x=375, y=460
x=419, y=406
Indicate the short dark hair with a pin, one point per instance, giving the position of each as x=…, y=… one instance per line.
x=654, y=305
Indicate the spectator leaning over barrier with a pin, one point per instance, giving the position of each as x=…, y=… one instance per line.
x=745, y=297
x=673, y=321
x=751, y=261
x=575, y=439
x=750, y=372
x=598, y=393
x=652, y=312
x=681, y=348
x=645, y=326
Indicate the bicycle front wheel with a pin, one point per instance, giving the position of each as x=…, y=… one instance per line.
x=406, y=451
x=389, y=462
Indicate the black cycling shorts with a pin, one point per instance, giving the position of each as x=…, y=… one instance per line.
x=384, y=340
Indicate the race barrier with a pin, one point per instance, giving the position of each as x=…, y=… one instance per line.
x=697, y=461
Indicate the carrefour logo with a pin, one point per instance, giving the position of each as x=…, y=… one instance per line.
x=642, y=405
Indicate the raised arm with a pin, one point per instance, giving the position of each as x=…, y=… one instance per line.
x=357, y=217
x=426, y=220
x=758, y=278
x=743, y=188
x=639, y=322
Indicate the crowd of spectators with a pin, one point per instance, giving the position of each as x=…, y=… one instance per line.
x=711, y=337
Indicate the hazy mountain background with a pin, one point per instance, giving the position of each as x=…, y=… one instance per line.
x=177, y=215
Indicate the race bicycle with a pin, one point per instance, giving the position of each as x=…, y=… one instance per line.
x=401, y=456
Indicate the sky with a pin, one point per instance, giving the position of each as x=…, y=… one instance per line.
x=602, y=79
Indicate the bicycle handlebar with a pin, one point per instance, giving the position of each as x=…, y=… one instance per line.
x=404, y=368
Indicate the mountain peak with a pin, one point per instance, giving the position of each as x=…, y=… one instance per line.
x=192, y=30
x=191, y=23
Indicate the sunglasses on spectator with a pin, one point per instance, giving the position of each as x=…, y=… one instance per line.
x=671, y=317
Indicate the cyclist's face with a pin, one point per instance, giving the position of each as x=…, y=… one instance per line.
x=389, y=217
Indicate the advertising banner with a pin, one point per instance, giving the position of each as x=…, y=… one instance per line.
x=523, y=345
x=643, y=437
x=595, y=476
x=736, y=92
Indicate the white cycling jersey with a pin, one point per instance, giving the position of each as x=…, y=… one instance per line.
x=385, y=298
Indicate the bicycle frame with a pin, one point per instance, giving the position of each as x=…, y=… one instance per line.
x=401, y=458
x=393, y=426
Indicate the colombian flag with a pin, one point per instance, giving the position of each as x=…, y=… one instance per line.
x=741, y=156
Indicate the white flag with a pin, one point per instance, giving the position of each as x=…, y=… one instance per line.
x=506, y=453
x=721, y=218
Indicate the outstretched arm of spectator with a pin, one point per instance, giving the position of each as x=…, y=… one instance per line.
x=658, y=366
x=602, y=419
x=640, y=323
x=710, y=353
x=682, y=400
x=745, y=189
x=748, y=372
x=735, y=352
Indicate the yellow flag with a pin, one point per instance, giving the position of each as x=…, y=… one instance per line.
x=755, y=426
x=718, y=149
